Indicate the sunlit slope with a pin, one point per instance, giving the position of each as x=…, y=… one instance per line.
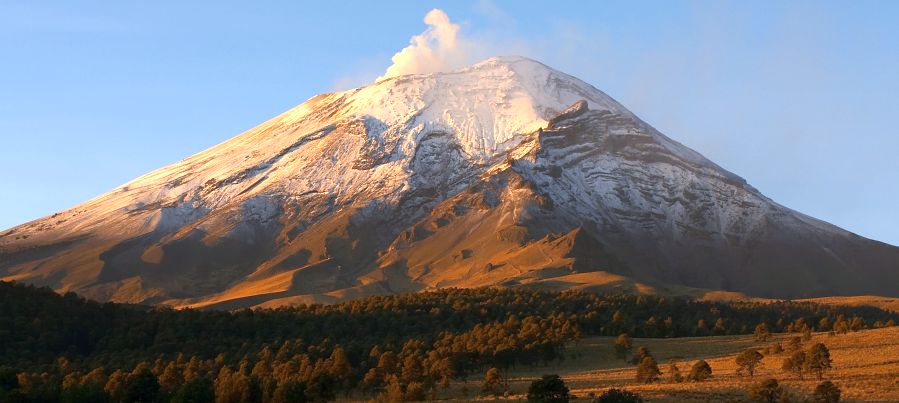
x=504, y=173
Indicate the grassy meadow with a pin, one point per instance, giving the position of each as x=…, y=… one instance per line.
x=865, y=367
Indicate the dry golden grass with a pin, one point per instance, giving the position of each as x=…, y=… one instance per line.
x=865, y=367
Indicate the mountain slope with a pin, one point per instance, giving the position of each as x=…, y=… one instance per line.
x=507, y=172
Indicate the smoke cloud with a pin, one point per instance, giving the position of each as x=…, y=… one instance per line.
x=439, y=48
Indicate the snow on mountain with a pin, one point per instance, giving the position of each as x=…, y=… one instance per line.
x=498, y=173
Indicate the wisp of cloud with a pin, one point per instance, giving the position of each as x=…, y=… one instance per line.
x=439, y=48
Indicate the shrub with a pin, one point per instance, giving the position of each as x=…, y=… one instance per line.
x=549, y=389
x=826, y=392
x=619, y=396
x=768, y=391
x=701, y=371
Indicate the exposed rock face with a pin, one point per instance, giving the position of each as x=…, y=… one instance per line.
x=505, y=173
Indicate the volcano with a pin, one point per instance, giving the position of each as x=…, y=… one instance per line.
x=505, y=173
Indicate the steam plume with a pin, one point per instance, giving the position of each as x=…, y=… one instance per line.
x=439, y=48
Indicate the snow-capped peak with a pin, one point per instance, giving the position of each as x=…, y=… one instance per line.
x=421, y=181
x=484, y=106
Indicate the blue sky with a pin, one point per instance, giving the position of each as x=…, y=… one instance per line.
x=799, y=98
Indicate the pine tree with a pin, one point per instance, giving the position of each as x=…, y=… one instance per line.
x=394, y=391
x=142, y=387
x=642, y=352
x=748, y=361
x=623, y=346
x=339, y=366
x=818, y=360
x=648, y=370
x=494, y=384
x=415, y=392
x=674, y=372
x=795, y=363
x=720, y=327
x=841, y=325
x=412, y=369
x=115, y=385
x=9, y=380
x=197, y=390
x=794, y=344
x=761, y=332
x=701, y=328
x=170, y=379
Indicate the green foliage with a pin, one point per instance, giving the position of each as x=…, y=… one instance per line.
x=83, y=393
x=549, y=389
x=198, y=390
x=142, y=387
x=9, y=381
x=58, y=345
x=619, y=396
x=826, y=392
x=44, y=325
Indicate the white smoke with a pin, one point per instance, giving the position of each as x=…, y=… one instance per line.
x=440, y=48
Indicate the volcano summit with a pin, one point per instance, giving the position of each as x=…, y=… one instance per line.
x=504, y=173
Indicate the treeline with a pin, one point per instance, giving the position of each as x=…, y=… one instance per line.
x=405, y=345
